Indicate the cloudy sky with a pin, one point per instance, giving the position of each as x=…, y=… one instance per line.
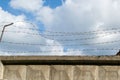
x=60, y=27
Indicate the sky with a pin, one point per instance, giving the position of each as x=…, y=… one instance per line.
x=60, y=27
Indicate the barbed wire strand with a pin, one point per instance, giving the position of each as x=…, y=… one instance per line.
x=78, y=33
x=64, y=40
x=86, y=32
x=114, y=32
x=98, y=43
x=52, y=51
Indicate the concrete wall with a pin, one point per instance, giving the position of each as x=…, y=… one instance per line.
x=59, y=68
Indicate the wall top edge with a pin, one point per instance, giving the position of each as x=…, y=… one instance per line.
x=59, y=57
x=59, y=60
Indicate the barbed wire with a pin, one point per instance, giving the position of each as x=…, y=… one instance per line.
x=73, y=33
x=81, y=39
x=86, y=32
x=63, y=40
x=97, y=43
x=48, y=34
x=114, y=32
x=52, y=51
x=79, y=33
x=42, y=35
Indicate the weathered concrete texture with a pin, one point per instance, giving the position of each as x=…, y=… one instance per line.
x=38, y=72
x=60, y=68
x=13, y=72
x=1, y=70
x=109, y=73
x=61, y=72
x=85, y=73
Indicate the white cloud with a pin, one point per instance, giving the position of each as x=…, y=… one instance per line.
x=74, y=52
x=28, y=5
x=9, y=17
x=45, y=14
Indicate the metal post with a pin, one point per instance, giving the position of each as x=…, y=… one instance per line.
x=4, y=30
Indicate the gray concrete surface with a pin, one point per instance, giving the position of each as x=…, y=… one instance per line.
x=61, y=72
x=11, y=68
x=1, y=70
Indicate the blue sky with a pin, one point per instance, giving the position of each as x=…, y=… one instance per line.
x=53, y=3
x=60, y=27
x=6, y=6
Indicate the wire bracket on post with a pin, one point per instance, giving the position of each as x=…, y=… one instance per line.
x=4, y=30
